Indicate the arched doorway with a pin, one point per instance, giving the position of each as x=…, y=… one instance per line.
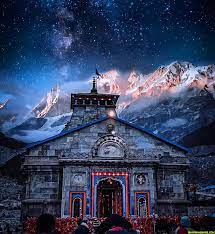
x=109, y=198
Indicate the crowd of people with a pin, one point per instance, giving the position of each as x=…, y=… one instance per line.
x=111, y=225
x=115, y=224
x=48, y=224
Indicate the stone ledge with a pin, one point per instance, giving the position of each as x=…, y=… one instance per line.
x=110, y=162
x=173, y=202
x=40, y=163
x=41, y=201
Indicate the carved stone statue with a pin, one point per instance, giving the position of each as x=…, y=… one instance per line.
x=140, y=179
x=78, y=179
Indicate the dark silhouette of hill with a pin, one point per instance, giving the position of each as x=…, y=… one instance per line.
x=10, y=142
x=202, y=136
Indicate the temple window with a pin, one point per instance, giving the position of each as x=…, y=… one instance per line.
x=76, y=207
x=95, y=102
x=102, y=102
x=80, y=101
x=109, y=102
x=87, y=101
x=141, y=207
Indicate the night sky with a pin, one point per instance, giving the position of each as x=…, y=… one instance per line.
x=49, y=42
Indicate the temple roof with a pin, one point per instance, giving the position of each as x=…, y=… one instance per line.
x=62, y=134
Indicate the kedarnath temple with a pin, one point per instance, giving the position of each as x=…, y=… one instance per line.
x=100, y=164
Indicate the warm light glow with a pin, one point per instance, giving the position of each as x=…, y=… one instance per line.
x=110, y=180
x=109, y=173
x=111, y=114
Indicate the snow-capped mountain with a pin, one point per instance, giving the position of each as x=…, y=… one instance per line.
x=53, y=104
x=109, y=82
x=46, y=119
x=173, y=78
x=173, y=101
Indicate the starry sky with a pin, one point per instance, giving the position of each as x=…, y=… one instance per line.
x=49, y=42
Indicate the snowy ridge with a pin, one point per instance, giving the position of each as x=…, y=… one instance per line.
x=176, y=77
x=109, y=82
x=47, y=130
x=47, y=102
x=169, y=100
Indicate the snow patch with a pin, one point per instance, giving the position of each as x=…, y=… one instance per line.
x=177, y=122
x=44, y=132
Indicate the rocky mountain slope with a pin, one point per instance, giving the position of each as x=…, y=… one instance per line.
x=173, y=101
x=173, y=117
x=8, y=148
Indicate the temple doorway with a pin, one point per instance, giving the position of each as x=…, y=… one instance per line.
x=109, y=198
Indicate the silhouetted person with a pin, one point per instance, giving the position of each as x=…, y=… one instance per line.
x=82, y=227
x=118, y=225
x=46, y=224
x=183, y=226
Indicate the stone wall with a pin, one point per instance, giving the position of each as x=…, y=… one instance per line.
x=142, y=154
x=147, y=185
x=10, y=201
x=75, y=179
x=171, y=184
x=43, y=188
x=80, y=143
x=85, y=114
x=44, y=185
x=201, y=210
x=168, y=208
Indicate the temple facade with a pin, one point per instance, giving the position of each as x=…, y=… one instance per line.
x=100, y=164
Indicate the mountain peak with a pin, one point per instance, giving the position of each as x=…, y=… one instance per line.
x=50, y=105
x=109, y=82
x=163, y=99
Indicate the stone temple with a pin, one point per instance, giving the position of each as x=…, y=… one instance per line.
x=100, y=164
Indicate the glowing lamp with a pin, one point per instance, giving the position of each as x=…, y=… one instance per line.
x=111, y=114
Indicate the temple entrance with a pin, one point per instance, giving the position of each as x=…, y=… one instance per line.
x=109, y=198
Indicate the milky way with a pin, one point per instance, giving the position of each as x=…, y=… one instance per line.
x=45, y=42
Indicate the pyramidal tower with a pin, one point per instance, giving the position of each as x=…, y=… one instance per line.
x=91, y=106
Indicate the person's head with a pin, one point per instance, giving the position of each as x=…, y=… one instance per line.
x=119, y=221
x=116, y=220
x=104, y=226
x=79, y=221
x=185, y=221
x=45, y=223
x=84, y=220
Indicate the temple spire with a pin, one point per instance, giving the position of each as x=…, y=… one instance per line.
x=94, y=88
